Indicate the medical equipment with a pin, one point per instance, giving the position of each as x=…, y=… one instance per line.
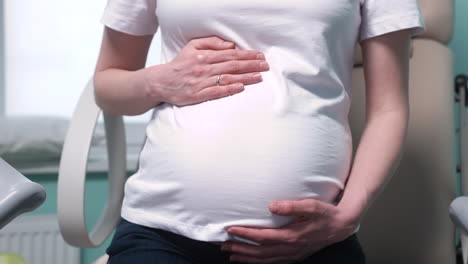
x=17, y=194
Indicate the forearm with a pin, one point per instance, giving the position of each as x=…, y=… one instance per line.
x=122, y=92
x=378, y=154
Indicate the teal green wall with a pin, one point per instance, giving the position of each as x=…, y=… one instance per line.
x=459, y=46
x=97, y=185
x=459, y=43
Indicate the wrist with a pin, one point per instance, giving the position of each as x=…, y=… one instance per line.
x=352, y=212
x=152, y=80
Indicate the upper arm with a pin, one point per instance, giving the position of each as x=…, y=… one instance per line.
x=385, y=32
x=129, y=29
x=386, y=70
x=122, y=51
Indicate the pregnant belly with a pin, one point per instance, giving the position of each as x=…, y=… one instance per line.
x=231, y=169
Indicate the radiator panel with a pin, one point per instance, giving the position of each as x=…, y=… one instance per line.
x=38, y=240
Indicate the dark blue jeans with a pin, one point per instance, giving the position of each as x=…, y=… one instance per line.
x=134, y=243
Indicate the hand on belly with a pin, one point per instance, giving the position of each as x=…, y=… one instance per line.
x=316, y=225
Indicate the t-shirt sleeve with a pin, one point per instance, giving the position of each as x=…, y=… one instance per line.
x=134, y=17
x=379, y=17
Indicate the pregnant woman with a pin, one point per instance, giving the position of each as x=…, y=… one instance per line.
x=248, y=155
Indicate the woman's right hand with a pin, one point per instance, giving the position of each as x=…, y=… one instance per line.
x=190, y=77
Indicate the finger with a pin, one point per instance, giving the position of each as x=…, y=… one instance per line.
x=272, y=260
x=262, y=235
x=238, y=66
x=214, y=43
x=211, y=57
x=297, y=208
x=226, y=79
x=216, y=92
x=258, y=251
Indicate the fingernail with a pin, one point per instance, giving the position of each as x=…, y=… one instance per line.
x=263, y=65
x=260, y=56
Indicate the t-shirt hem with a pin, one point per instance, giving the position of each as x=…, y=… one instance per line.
x=208, y=233
x=393, y=23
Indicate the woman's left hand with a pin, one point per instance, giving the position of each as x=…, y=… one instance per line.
x=315, y=225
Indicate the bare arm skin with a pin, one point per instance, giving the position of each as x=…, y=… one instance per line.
x=386, y=66
x=118, y=79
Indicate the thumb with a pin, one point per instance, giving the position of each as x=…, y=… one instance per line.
x=213, y=43
x=289, y=207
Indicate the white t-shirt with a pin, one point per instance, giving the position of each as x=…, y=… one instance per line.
x=208, y=166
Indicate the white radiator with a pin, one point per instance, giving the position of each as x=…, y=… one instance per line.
x=38, y=240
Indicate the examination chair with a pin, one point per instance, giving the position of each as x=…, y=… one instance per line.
x=17, y=194
x=408, y=223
